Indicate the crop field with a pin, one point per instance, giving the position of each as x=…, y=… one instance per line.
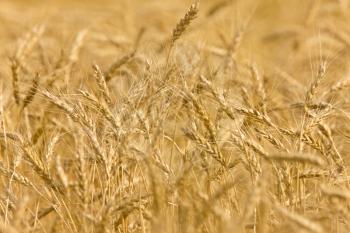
x=174, y=116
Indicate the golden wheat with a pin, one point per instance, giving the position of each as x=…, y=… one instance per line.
x=236, y=119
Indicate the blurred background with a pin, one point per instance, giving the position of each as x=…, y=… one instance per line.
x=274, y=30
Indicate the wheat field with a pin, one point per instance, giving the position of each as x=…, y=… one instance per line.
x=174, y=116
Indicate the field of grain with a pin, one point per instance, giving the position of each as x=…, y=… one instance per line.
x=174, y=116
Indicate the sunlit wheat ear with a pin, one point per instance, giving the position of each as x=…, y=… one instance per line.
x=32, y=91
x=74, y=53
x=232, y=50
x=185, y=22
x=15, y=74
x=101, y=81
x=76, y=48
x=321, y=73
